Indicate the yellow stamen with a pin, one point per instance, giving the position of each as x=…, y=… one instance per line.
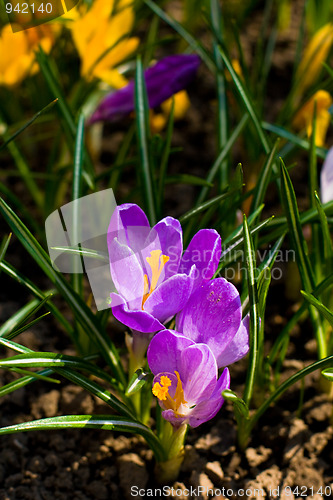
x=161, y=391
x=156, y=262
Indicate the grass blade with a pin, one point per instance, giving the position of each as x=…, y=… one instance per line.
x=82, y=313
x=142, y=122
x=254, y=312
x=29, y=122
x=105, y=422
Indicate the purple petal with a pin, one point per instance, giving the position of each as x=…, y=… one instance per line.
x=326, y=178
x=204, y=251
x=206, y=410
x=169, y=297
x=126, y=273
x=175, y=420
x=170, y=238
x=238, y=347
x=164, y=350
x=198, y=373
x=212, y=315
x=129, y=225
x=135, y=319
x=167, y=77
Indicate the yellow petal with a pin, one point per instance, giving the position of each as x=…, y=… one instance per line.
x=315, y=54
x=116, y=55
x=182, y=103
x=304, y=117
x=112, y=77
x=157, y=121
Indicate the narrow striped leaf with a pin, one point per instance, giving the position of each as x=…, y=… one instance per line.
x=138, y=380
x=321, y=308
x=254, y=312
x=105, y=422
x=82, y=312
x=142, y=124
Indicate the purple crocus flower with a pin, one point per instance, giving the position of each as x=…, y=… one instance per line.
x=167, y=77
x=326, y=178
x=186, y=379
x=153, y=279
x=213, y=316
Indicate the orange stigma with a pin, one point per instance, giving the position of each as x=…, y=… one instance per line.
x=156, y=262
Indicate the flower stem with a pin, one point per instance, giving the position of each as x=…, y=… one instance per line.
x=172, y=440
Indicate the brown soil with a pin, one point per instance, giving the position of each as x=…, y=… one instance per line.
x=289, y=448
x=286, y=449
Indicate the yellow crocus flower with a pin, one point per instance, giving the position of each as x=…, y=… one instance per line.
x=304, y=117
x=315, y=54
x=101, y=38
x=17, y=52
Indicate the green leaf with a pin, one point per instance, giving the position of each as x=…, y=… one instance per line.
x=328, y=374
x=138, y=380
x=231, y=254
x=327, y=243
x=13, y=345
x=47, y=67
x=269, y=261
x=17, y=318
x=23, y=280
x=76, y=194
x=187, y=179
x=299, y=244
x=28, y=123
x=249, y=106
x=82, y=312
x=142, y=123
x=240, y=406
x=98, y=391
x=294, y=139
x=318, y=365
x=321, y=308
x=295, y=229
x=254, y=312
x=205, y=206
x=105, y=422
x=165, y=154
x=325, y=285
x=84, y=252
x=264, y=179
x=53, y=360
x=194, y=44
x=26, y=327
x=222, y=156
x=222, y=108
x=4, y=246
x=35, y=375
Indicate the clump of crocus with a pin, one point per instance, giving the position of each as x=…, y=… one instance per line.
x=321, y=101
x=326, y=178
x=101, y=36
x=154, y=279
x=17, y=51
x=163, y=80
